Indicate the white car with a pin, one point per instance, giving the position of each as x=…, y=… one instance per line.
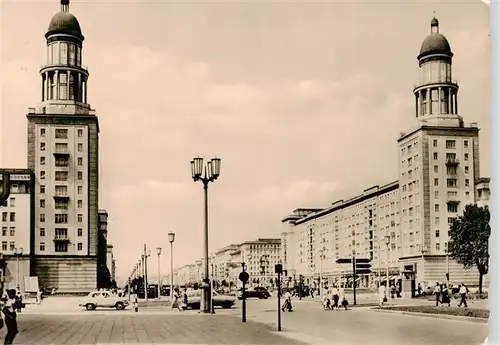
x=103, y=299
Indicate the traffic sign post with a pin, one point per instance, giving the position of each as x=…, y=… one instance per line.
x=279, y=270
x=243, y=277
x=359, y=266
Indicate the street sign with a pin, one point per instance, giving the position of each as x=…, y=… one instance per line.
x=244, y=276
x=363, y=268
x=278, y=268
x=344, y=261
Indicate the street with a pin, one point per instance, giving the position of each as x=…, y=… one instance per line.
x=59, y=321
x=361, y=325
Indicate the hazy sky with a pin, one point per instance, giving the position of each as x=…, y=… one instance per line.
x=303, y=102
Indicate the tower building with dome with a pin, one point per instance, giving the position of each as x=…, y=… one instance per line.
x=438, y=166
x=402, y=226
x=63, y=148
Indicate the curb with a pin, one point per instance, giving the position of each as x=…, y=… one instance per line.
x=433, y=316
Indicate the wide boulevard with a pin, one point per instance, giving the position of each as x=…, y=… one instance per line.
x=60, y=321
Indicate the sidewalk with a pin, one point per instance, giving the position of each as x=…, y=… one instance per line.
x=147, y=329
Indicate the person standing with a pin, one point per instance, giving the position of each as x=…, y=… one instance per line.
x=463, y=295
x=342, y=297
x=10, y=316
x=381, y=294
x=185, y=299
x=437, y=293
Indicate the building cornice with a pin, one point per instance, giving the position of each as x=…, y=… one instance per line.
x=439, y=130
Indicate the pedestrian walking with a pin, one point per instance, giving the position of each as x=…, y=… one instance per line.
x=437, y=293
x=184, y=299
x=398, y=290
x=325, y=299
x=445, y=295
x=39, y=296
x=335, y=297
x=287, y=304
x=463, y=295
x=176, y=300
x=381, y=295
x=10, y=316
x=393, y=291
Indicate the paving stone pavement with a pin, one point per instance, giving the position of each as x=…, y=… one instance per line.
x=145, y=329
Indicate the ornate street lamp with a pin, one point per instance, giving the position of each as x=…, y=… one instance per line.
x=158, y=251
x=210, y=172
x=18, y=252
x=171, y=239
x=387, y=241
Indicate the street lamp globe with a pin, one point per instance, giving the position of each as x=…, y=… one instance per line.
x=171, y=237
x=215, y=163
x=196, y=168
x=158, y=250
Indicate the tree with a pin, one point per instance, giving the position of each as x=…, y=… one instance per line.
x=468, y=243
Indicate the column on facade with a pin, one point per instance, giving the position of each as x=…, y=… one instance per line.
x=429, y=102
x=79, y=91
x=450, y=106
x=43, y=85
x=57, y=84
x=440, y=90
x=47, y=82
x=68, y=73
x=456, y=103
x=420, y=103
x=416, y=104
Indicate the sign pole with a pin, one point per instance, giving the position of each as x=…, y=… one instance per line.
x=244, y=276
x=354, y=279
x=278, y=268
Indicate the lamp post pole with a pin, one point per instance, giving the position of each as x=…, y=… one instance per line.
x=387, y=241
x=147, y=253
x=18, y=252
x=158, y=251
x=171, y=239
x=211, y=173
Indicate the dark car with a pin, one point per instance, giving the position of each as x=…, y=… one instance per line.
x=257, y=292
x=194, y=299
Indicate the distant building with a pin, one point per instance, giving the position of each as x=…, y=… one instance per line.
x=17, y=224
x=260, y=257
x=222, y=263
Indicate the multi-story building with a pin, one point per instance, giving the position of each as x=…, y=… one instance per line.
x=222, y=263
x=17, y=224
x=438, y=165
x=63, y=153
x=347, y=227
x=102, y=251
x=260, y=257
x=402, y=226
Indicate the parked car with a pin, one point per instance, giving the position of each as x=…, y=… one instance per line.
x=103, y=299
x=257, y=292
x=223, y=301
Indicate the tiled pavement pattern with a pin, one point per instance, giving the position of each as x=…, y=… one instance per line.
x=144, y=329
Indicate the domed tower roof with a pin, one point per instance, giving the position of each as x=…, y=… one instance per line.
x=435, y=43
x=64, y=22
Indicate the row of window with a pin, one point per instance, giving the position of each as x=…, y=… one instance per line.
x=59, y=148
x=452, y=182
x=12, y=216
x=451, y=144
x=64, y=53
x=61, y=190
x=9, y=203
x=61, y=247
x=61, y=205
x=11, y=247
x=61, y=133
x=61, y=232
x=62, y=175
x=6, y=232
x=61, y=218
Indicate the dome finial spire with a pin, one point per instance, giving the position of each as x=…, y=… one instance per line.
x=64, y=5
x=434, y=24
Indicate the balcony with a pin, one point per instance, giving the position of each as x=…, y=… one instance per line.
x=61, y=238
x=452, y=162
x=61, y=196
x=60, y=152
x=453, y=201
